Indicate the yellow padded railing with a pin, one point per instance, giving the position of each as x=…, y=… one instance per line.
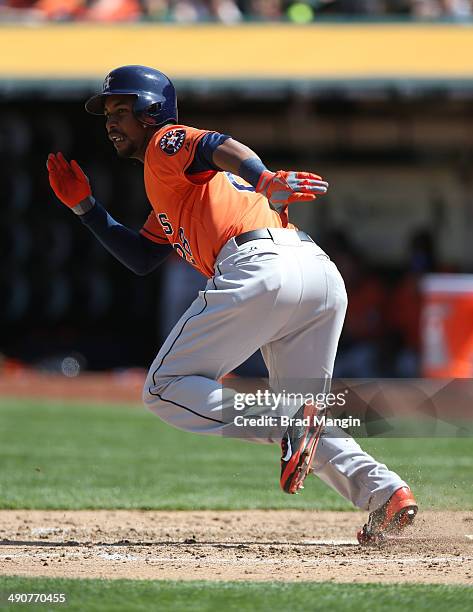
x=332, y=51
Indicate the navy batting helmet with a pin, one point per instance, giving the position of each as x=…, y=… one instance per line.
x=155, y=102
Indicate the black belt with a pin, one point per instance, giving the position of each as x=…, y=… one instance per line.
x=262, y=234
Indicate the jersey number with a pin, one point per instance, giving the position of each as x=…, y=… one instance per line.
x=182, y=247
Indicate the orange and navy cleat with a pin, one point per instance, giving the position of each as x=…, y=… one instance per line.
x=298, y=447
x=393, y=516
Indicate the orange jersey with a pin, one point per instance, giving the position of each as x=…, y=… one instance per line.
x=197, y=213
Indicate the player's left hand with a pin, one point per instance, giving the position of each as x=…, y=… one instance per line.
x=282, y=188
x=67, y=180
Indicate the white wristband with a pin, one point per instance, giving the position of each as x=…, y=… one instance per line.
x=84, y=206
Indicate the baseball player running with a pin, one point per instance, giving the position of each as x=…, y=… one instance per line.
x=270, y=287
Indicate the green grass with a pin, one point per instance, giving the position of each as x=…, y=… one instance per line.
x=70, y=456
x=128, y=595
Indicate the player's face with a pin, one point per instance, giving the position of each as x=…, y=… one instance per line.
x=128, y=135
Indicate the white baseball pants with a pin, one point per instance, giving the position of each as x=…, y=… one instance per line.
x=287, y=298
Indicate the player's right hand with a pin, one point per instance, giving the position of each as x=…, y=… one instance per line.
x=67, y=180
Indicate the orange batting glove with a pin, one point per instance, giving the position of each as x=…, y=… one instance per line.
x=67, y=180
x=283, y=188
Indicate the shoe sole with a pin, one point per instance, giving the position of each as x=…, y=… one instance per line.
x=299, y=465
x=400, y=521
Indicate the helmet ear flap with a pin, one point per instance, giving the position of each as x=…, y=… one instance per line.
x=148, y=115
x=144, y=118
x=154, y=108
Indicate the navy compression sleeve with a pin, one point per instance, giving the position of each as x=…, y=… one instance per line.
x=250, y=169
x=130, y=248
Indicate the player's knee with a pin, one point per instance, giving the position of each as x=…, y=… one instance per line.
x=146, y=396
x=152, y=389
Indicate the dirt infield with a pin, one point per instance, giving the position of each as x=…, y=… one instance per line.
x=248, y=545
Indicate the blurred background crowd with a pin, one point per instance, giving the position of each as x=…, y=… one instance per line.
x=391, y=134
x=229, y=11
x=396, y=207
